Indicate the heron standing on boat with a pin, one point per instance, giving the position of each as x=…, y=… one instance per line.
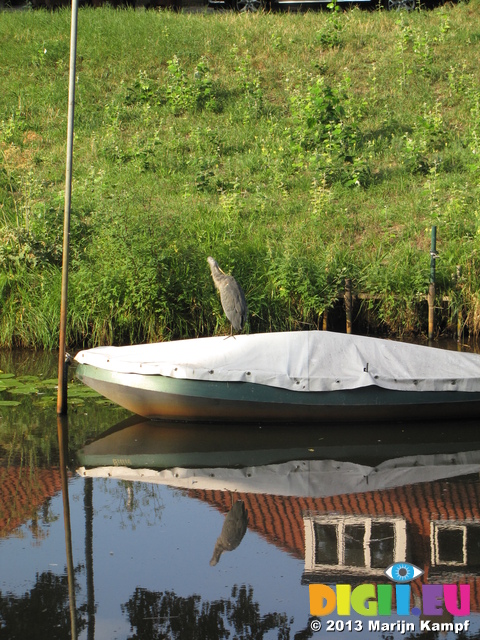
x=231, y=296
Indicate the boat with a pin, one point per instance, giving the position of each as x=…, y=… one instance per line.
x=290, y=377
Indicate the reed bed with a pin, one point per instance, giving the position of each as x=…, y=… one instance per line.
x=298, y=149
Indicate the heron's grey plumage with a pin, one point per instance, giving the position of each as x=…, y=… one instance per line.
x=231, y=296
x=233, y=530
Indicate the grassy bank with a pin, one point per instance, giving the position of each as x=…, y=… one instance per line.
x=297, y=149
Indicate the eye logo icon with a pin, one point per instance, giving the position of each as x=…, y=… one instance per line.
x=403, y=572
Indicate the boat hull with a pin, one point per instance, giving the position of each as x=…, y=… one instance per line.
x=162, y=397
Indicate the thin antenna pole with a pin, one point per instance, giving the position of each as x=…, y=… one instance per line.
x=431, y=286
x=62, y=367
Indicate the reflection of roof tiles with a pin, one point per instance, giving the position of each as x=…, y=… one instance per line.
x=280, y=518
x=22, y=491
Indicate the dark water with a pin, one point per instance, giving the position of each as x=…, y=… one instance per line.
x=219, y=531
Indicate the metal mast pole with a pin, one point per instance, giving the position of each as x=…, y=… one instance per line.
x=431, y=287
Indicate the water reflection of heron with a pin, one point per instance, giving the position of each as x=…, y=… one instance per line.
x=233, y=530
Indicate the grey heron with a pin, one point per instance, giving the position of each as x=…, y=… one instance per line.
x=231, y=296
x=233, y=530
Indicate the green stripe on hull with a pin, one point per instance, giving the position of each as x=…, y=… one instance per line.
x=183, y=399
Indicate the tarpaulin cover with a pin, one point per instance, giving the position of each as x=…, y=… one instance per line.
x=300, y=361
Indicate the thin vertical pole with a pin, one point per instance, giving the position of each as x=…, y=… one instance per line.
x=431, y=286
x=88, y=509
x=62, y=433
x=62, y=376
x=459, y=313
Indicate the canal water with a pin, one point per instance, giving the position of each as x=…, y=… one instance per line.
x=170, y=531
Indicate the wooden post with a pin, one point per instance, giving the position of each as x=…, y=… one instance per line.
x=325, y=321
x=431, y=286
x=348, y=304
x=62, y=366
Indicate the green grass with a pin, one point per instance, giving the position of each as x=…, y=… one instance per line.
x=297, y=149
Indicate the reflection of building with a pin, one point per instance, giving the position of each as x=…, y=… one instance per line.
x=455, y=544
x=363, y=545
x=434, y=525
x=23, y=490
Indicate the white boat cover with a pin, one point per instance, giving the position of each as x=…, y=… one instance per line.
x=299, y=361
x=306, y=478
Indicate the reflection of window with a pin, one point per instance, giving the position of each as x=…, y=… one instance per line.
x=353, y=542
x=354, y=545
x=473, y=545
x=455, y=543
x=326, y=544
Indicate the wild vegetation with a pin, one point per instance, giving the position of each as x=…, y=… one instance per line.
x=296, y=148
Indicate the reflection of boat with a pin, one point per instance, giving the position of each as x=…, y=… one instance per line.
x=292, y=376
x=139, y=443
x=313, y=478
x=305, y=461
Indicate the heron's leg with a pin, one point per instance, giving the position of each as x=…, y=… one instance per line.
x=231, y=334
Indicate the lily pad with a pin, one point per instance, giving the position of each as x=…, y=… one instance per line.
x=76, y=402
x=81, y=392
x=9, y=403
x=36, y=379
x=9, y=383
x=45, y=401
x=24, y=389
